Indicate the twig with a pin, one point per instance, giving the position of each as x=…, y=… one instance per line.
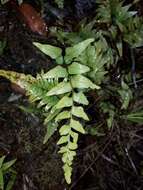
x=131, y=161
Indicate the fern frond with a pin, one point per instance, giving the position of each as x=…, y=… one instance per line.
x=133, y=34
x=102, y=56
x=38, y=90
x=114, y=12
x=69, y=93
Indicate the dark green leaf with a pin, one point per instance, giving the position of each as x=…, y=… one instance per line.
x=7, y=165
x=136, y=117
x=11, y=181
x=1, y=180
x=1, y=161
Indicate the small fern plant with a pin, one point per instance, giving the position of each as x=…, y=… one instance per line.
x=71, y=98
x=61, y=93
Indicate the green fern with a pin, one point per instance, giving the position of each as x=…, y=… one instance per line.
x=133, y=33
x=114, y=12
x=115, y=15
x=70, y=92
x=60, y=93
x=102, y=56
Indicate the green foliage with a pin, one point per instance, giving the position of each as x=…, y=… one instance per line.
x=69, y=93
x=110, y=30
x=60, y=3
x=133, y=33
x=5, y=168
x=109, y=109
x=114, y=14
x=101, y=57
x=125, y=94
x=60, y=93
x=5, y=1
x=53, y=52
x=136, y=117
x=111, y=24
